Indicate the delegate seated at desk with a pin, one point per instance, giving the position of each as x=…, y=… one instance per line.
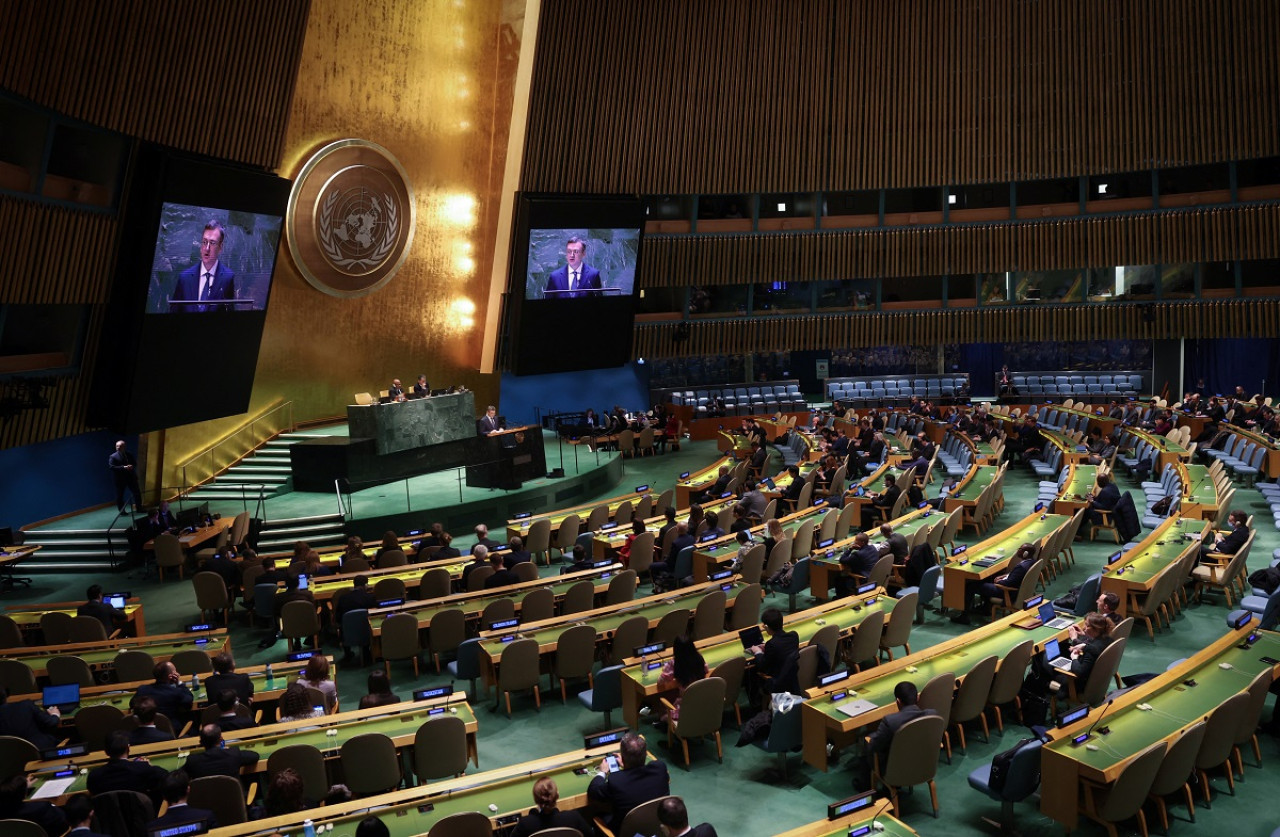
x=1044, y=678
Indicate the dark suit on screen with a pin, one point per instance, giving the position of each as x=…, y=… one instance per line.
x=588, y=280
x=189, y=281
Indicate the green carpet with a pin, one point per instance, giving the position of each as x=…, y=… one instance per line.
x=717, y=792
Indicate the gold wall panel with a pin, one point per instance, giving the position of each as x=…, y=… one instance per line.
x=432, y=83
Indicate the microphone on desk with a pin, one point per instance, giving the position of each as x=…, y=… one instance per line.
x=1080, y=739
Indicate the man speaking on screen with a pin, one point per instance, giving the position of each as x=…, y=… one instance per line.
x=210, y=279
x=576, y=278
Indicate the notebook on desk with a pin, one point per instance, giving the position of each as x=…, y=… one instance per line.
x=856, y=707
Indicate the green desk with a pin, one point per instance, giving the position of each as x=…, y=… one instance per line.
x=1136, y=570
x=521, y=527
x=960, y=569
x=266, y=690
x=699, y=481
x=607, y=542
x=605, y=620
x=101, y=655
x=328, y=587
x=27, y=616
x=823, y=721
x=473, y=604
x=1174, y=707
x=970, y=487
x=399, y=722
x=1168, y=452
x=1081, y=480
x=716, y=554
x=879, y=812
x=413, y=811
x=640, y=677
x=1199, y=492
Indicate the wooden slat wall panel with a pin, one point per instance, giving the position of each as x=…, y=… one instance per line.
x=1223, y=318
x=725, y=96
x=1190, y=235
x=43, y=241
x=215, y=80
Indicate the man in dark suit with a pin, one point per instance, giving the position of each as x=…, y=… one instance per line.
x=682, y=539
x=173, y=700
x=905, y=695
x=516, y=554
x=100, y=610
x=576, y=278
x=79, y=812
x=421, y=389
x=482, y=537
x=885, y=500
x=166, y=517
x=479, y=558
x=217, y=760
x=489, y=423
x=225, y=677
x=144, y=709
x=674, y=818
x=1023, y=560
x=175, y=789
x=502, y=577
x=1106, y=499
x=271, y=575
x=228, y=720
x=759, y=456
x=208, y=280
x=894, y=544
x=636, y=783
x=359, y=597
x=23, y=719
x=1229, y=543
x=125, y=473
x=223, y=566
x=395, y=392
x=858, y=559
x=776, y=657
x=122, y=773
x=719, y=486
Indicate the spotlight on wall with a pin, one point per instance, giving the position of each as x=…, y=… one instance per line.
x=782, y=207
x=1102, y=188
x=951, y=200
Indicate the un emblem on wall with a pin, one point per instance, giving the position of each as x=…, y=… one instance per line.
x=351, y=218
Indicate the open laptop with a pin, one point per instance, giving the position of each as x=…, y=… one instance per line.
x=1053, y=655
x=66, y=697
x=751, y=637
x=117, y=600
x=1046, y=616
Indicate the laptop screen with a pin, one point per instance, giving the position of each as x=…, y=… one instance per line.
x=751, y=636
x=61, y=695
x=1052, y=650
x=1046, y=612
x=118, y=600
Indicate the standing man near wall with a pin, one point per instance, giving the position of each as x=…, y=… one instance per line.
x=124, y=470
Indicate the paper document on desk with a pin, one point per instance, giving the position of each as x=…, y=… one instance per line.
x=853, y=708
x=53, y=788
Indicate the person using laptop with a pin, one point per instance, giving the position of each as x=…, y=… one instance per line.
x=1051, y=675
x=109, y=616
x=23, y=719
x=175, y=789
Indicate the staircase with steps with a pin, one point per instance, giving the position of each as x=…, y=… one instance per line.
x=266, y=470
x=88, y=550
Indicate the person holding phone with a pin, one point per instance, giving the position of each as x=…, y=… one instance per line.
x=629, y=781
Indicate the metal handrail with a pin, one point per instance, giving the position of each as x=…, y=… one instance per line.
x=214, y=457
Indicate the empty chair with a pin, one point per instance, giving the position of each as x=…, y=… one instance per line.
x=622, y=588
x=498, y=610
x=538, y=604
x=86, y=629
x=970, y=701
x=467, y=664
x=939, y=695
x=1021, y=782
x=898, y=631
x=400, y=640
x=299, y=620
x=701, y=714
x=169, y=554
x=462, y=824
x=672, y=624
x=866, y=640
x=785, y=736
x=212, y=596
x=389, y=588
x=133, y=665
x=357, y=633
x=807, y=667
x=1122, y=799
x=66, y=670
x=223, y=795
x=392, y=558
x=1174, y=775
x=628, y=636
x=370, y=763
x=518, y=670
x=708, y=616
x=1215, y=750
x=605, y=694
x=732, y=671
x=746, y=607
x=10, y=633
x=21, y=828
x=445, y=632
x=95, y=723
x=436, y=583
x=440, y=748
x=191, y=662
x=17, y=678
x=1247, y=731
x=477, y=577
x=578, y=598
x=575, y=656
x=537, y=541
x=1007, y=681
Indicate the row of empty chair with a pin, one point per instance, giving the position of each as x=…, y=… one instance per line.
x=743, y=400
x=881, y=390
x=1108, y=385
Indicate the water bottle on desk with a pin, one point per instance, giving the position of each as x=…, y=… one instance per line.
x=308, y=828
x=270, y=675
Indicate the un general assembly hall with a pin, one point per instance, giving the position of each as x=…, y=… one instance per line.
x=497, y=418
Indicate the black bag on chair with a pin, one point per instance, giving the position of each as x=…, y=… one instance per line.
x=1001, y=763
